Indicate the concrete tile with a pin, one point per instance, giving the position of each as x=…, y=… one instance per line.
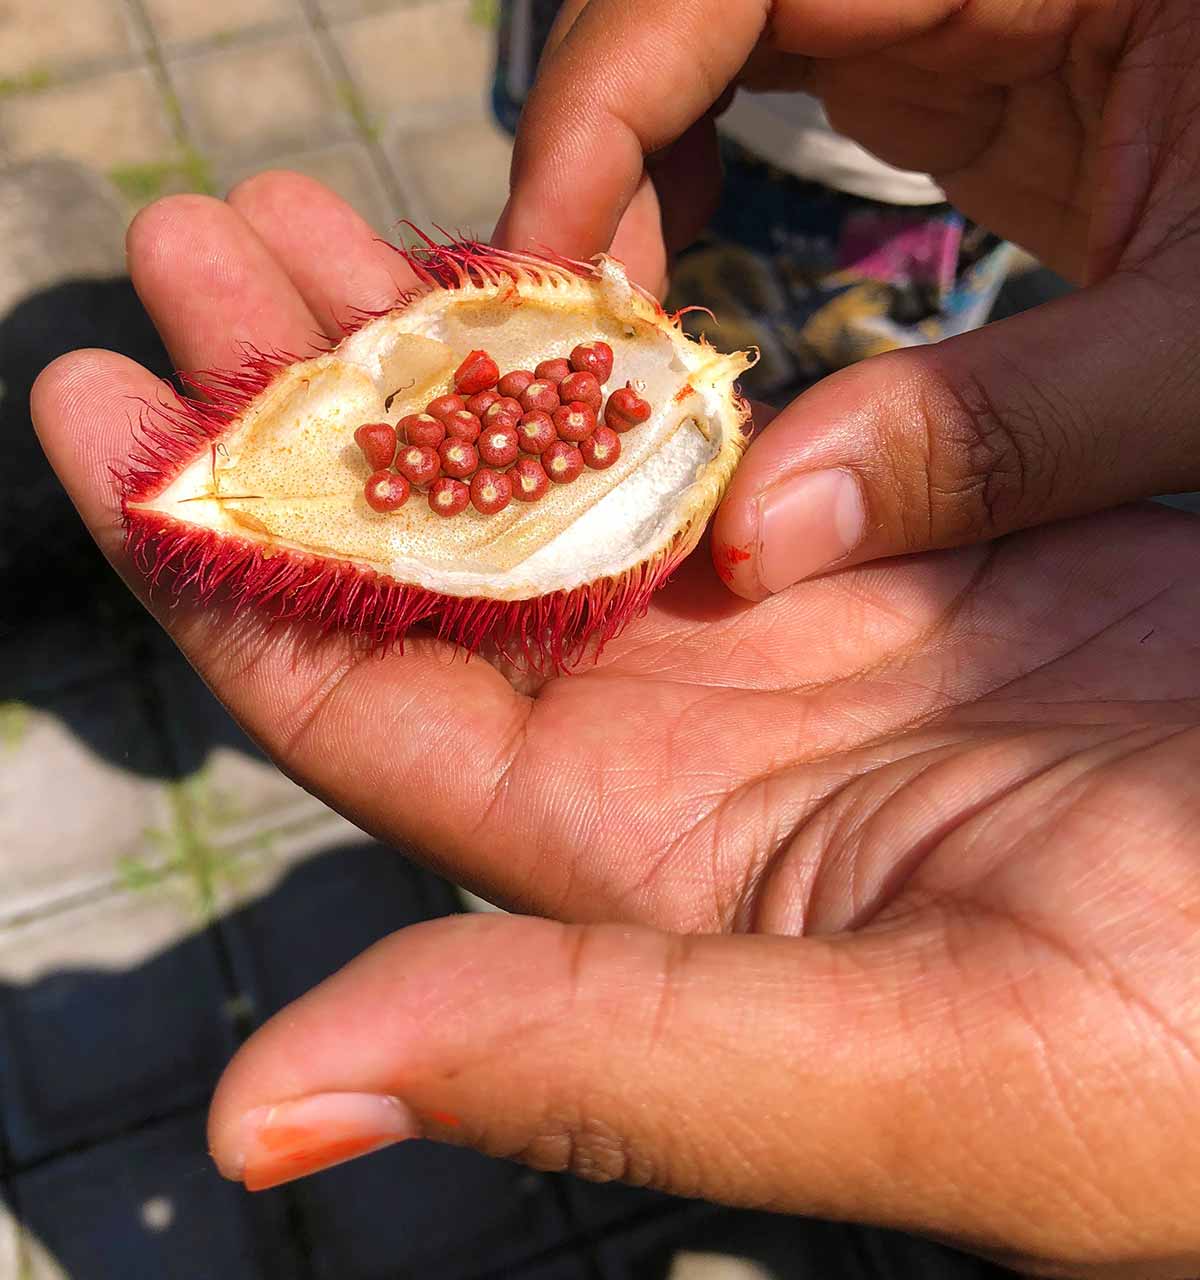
x=80, y=789
x=10, y=1238
x=110, y=1013
x=459, y=171
x=39, y=40
x=149, y=1206
x=107, y=121
x=597, y=1206
x=316, y=900
x=259, y=97
x=234, y=792
x=344, y=167
x=422, y=64
x=178, y=22
x=341, y=10
x=420, y=1209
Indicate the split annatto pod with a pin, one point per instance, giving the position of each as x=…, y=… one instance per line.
x=260, y=491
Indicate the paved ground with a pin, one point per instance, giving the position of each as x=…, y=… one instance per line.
x=162, y=887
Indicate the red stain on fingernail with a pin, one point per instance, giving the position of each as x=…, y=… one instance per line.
x=285, y=1166
x=448, y=1118
x=727, y=559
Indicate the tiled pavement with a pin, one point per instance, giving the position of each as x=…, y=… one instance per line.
x=381, y=99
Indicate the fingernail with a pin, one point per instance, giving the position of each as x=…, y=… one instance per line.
x=807, y=523
x=293, y=1139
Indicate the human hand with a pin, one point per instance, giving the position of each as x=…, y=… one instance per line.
x=880, y=898
x=1073, y=129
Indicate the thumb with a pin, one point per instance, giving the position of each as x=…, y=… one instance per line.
x=708, y=1065
x=1078, y=405
x=815, y=1075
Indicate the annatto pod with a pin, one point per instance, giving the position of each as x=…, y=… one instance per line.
x=255, y=490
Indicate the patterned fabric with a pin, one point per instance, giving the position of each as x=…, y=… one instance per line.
x=815, y=278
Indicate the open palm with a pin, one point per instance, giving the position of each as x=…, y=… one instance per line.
x=966, y=778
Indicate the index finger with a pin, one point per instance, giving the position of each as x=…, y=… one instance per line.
x=629, y=78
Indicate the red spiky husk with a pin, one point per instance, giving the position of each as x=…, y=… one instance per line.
x=547, y=633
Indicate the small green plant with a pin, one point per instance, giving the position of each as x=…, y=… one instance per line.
x=14, y=724
x=31, y=82
x=357, y=110
x=485, y=13
x=141, y=183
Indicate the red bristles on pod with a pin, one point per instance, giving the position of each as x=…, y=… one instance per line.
x=386, y=491
x=477, y=372
x=490, y=491
x=529, y=480
x=562, y=462
x=595, y=358
x=377, y=440
x=448, y=497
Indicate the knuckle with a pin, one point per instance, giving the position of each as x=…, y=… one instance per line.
x=996, y=452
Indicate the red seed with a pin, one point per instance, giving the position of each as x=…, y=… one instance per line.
x=583, y=387
x=553, y=370
x=595, y=358
x=377, y=440
x=386, y=491
x=423, y=429
x=601, y=449
x=490, y=491
x=574, y=421
x=477, y=372
x=459, y=459
x=529, y=480
x=625, y=409
x=462, y=424
x=505, y=410
x=443, y=405
x=563, y=462
x=498, y=445
x=482, y=401
x=535, y=432
x=512, y=384
x=541, y=395
x=419, y=463
x=448, y=497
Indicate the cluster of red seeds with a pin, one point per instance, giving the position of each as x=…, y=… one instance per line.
x=466, y=447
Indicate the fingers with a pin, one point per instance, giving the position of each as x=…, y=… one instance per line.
x=732, y=1068
x=628, y=79
x=326, y=711
x=897, y=1077
x=1078, y=405
x=336, y=263
x=210, y=284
